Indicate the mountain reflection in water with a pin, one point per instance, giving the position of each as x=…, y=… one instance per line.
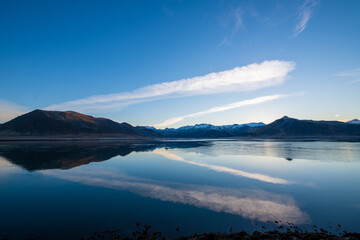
x=41, y=156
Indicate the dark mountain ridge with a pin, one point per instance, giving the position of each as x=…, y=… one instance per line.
x=291, y=127
x=284, y=127
x=56, y=123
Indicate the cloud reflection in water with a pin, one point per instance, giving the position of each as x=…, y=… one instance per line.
x=236, y=172
x=251, y=204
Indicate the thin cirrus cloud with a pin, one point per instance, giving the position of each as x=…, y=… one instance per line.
x=222, y=108
x=246, y=78
x=10, y=110
x=352, y=75
x=349, y=73
x=235, y=21
x=305, y=13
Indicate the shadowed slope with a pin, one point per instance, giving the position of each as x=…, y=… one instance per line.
x=49, y=123
x=293, y=127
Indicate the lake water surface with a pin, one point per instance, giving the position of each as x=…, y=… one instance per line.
x=70, y=190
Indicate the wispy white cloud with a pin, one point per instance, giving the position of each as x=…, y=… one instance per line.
x=10, y=110
x=222, y=108
x=304, y=15
x=246, y=78
x=222, y=42
x=238, y=19
x=234, y=22
x=232, y=171
x=351, y=75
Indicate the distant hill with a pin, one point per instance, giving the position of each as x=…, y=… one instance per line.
x=56, y=123
x=354, y=121
x=291, y=127
x=204, y=131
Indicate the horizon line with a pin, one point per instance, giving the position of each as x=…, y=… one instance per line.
x=205, y=123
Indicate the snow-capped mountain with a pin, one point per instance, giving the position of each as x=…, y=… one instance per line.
x=204, y=130
x=354, y=121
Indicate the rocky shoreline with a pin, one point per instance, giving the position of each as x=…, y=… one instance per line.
x=271, y=235
x=281, y=232
x=146, y=234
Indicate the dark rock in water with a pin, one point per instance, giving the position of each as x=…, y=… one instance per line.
x=242, y=235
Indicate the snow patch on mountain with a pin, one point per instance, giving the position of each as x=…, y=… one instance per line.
x=354, y=121
x=204, y=126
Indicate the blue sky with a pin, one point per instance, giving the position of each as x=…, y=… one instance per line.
x=174, y=63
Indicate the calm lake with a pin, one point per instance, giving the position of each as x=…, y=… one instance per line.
x=71, y=190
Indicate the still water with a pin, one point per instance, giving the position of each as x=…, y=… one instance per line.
x=70, y=190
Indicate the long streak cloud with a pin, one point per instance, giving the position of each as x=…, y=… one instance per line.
x=245, y=78
x=230, y=106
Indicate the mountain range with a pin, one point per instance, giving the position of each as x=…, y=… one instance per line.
x=41, y=123
x=204, y=131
